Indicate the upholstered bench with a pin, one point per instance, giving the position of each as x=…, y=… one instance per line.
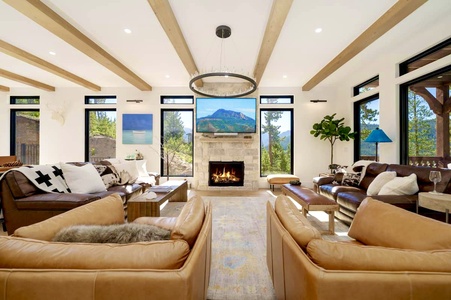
x=280, y=179
x=311, y=201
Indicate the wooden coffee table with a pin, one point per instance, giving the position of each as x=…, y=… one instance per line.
x=141, y=206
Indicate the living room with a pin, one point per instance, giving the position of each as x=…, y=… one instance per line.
x=299, y=54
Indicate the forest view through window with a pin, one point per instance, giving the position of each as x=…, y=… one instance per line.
x=276, y=140
x=367, y=112
x=177, y=142
x=428, y=118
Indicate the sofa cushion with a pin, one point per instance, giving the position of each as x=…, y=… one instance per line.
x=378, y=182
x=128, y=172
x=401, y=186
x=347, y=256
x=82, y=179
x=381, y=224
x=296, y=224
x=34, y=254
x=162, y=222
x=189, y=221
x=108, y=210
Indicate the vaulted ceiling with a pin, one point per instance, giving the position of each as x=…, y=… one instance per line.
x=273, y=40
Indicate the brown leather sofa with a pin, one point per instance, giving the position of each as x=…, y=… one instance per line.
x=349, y=198
x=24, y=204
x=396, y=255
x=33, y=267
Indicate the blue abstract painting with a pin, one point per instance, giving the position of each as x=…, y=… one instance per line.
x=137, y=128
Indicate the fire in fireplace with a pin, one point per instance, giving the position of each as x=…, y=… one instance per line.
x=226, y=173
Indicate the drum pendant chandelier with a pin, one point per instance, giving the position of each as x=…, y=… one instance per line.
x=223, y=32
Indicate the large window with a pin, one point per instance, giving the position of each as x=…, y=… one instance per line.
x=276, y=141
x=100, y=128
x=366, y=119
x=25, y=135
x=425, y=119
x=177, y=142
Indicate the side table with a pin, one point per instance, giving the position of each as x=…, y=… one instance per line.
x=438, y=202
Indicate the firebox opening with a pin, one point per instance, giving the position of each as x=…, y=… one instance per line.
x=226, y=173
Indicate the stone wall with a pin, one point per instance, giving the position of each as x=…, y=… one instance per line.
x=236, y=148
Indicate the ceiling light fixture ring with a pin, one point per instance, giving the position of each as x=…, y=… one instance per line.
x=223, y=32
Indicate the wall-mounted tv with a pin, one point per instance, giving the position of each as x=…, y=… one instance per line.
x=226, y=115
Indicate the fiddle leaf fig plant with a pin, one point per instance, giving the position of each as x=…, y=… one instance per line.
x=332, y=130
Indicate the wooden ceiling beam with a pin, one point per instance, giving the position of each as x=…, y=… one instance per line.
x=4, y=88
x=277, y=17
x=42, y=64
x=50, y=20
x=166, y=17
x=400, y=10
x=25, y=80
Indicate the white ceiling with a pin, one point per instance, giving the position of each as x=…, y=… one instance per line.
x=299, y=52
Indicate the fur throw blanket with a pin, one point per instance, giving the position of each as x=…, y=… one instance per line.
x=118, y=233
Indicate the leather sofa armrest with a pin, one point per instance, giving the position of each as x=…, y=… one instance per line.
x=323, y=180
x=55, y=201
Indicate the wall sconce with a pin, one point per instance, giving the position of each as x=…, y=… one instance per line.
x=136, y=101
x=317, y=100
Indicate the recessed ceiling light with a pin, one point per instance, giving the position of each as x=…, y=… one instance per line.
x=167, y=76
x=318, y=30
x=52, y=53
x=126, y=30
x=284, y=76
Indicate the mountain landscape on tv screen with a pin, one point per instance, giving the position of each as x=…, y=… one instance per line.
x=226, y=121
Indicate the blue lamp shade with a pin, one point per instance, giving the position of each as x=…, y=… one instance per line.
x=378, y=136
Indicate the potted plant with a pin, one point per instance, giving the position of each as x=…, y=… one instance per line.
x=332, y=130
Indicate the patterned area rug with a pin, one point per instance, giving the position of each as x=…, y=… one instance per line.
x=238, y=264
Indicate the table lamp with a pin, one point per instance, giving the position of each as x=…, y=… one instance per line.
x=378, y=136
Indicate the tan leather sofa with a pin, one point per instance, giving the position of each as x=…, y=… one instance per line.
x=395, y=255
x=33, y=267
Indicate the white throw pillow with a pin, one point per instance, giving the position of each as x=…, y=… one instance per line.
x=401, y=186
x=378, y=182
x=142, y=168
x=82, y=180
x=128, y=172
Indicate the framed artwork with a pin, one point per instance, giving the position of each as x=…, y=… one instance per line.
x=137, y=128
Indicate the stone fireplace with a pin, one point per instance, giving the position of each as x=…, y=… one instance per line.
x=241, y=148
x=226, y=173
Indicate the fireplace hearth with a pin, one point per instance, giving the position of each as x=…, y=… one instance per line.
x=226, y=173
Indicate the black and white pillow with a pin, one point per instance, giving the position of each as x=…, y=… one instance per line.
x=108, y=174
x=351, y=179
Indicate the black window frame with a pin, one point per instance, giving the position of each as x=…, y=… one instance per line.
x=291, y=97
x=87, y=111
x=176, y=97
x=12, y=128
x=357, y=122
x=356, y=89
x=404, y=113
x=100, y=97
x=291, y=136
x=403, y=67
x=13, y=100
x=162, y=140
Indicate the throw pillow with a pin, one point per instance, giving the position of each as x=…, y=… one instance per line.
x=379, y=181
x=108, y=174
x=128, y=172
x=401, y=186
x=83, y=179
x=351, y=179
x=119, y=233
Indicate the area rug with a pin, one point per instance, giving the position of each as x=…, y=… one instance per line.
x=238, y=264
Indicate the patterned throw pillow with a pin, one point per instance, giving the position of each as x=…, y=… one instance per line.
x=108, y=174
x=351, y=179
